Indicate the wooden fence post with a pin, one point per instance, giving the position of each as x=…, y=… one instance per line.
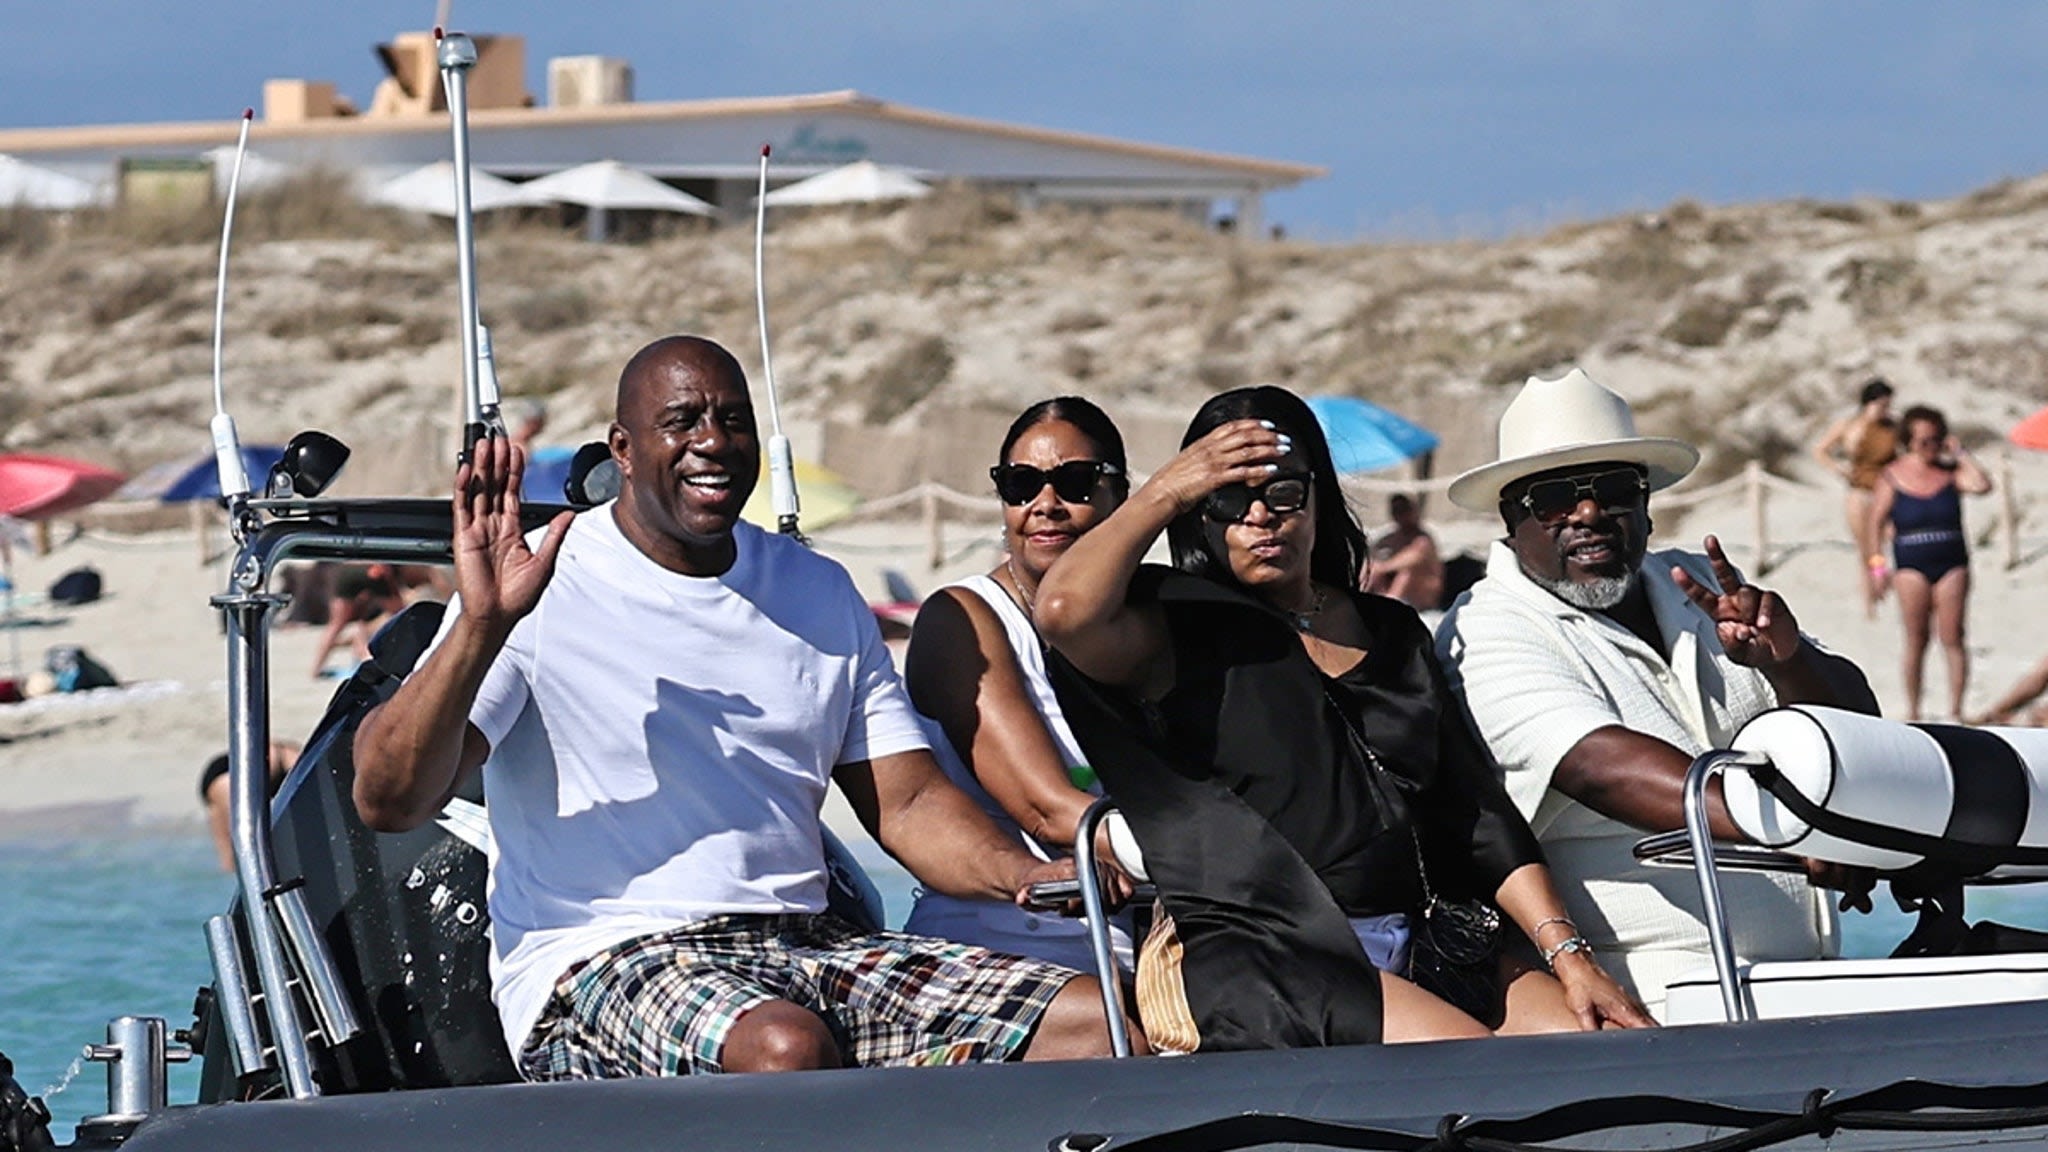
x=1753, y=481
x=2008, y=510
x=935, y=535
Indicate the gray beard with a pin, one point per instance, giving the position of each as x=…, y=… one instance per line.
x=1593, y=595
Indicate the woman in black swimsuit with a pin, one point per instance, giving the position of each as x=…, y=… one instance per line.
x=1918, y=500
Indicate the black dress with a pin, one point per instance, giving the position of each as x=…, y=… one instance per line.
x=1264, y=829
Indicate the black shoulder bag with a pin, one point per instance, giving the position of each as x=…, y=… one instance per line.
x=1456, y=942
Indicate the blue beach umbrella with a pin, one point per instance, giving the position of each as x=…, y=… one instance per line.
x=194, y=477
x=1365, y=437
x=547, y=475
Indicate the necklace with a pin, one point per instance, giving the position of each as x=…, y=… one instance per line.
x=1303, y=621
x=1023, y=593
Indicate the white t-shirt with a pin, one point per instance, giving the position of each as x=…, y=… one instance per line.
x=1537, y=676
x=661, y=745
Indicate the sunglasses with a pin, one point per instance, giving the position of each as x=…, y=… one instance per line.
x=1615, y=490
x=1233, y=503
x=1073, y=481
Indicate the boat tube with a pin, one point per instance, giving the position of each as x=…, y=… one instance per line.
x=1860, y=790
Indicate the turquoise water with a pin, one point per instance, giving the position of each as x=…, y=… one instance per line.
x=90, y=930
x=97, y=929
x=113, y=927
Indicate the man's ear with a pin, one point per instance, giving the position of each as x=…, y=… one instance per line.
x=618, y=441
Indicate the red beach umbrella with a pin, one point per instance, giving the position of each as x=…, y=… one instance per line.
x=38, y=487
x=2031, y=432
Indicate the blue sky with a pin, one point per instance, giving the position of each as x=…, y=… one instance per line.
x=1434, y=117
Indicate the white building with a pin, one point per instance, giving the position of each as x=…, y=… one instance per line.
x=706, y=147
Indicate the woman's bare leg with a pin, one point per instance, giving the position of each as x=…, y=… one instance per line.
x=1951, y=610
x=1536, y=1001
x=1412, y=1014
x=1857, y=506
x=1916, y=605
x=2017, y=697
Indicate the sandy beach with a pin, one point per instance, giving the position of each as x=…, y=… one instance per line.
x=106, y=763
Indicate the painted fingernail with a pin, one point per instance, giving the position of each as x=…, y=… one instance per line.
x=1286, y=442
x=1272, y=467
x=1268, y=425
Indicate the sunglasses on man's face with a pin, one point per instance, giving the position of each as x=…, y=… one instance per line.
x=1232, y=504
x=1614, y=490
x=1073, y=481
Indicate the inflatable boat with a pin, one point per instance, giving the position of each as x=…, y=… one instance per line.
x=349, y=1004
x=352, y=1009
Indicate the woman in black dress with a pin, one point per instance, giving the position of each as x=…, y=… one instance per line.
x=1299, y=778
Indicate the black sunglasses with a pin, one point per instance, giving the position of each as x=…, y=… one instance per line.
x=1614, y=490
x=1231, y=504
x=1073, y=481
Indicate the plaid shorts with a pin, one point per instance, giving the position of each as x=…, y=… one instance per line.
x=663, y=1005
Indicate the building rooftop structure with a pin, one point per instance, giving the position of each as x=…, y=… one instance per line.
x=706, y=147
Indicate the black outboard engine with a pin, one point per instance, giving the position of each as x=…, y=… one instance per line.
x=403, y=913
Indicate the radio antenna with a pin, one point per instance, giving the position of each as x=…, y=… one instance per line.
x=457, y=55
x=227, y=446
x=781, y=464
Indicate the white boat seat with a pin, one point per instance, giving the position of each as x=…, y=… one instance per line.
x=1787, y=989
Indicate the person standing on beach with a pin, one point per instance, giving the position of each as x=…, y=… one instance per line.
x=1918, y=502
x=659, y=695
x=1596, y=671
x=1857, y=448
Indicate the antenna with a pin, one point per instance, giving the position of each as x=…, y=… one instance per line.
x=781, y=464
x=227, y=446
x=457, y=56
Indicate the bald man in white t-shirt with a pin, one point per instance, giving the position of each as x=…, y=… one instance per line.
x=659, y=694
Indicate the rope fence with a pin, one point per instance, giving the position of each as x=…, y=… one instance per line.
x=937, y=504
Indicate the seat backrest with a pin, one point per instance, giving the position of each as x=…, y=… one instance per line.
x=404, y=914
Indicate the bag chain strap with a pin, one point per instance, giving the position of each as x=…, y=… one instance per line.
x=1372, y=759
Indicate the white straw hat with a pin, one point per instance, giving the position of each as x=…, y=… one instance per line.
x=1558, y=423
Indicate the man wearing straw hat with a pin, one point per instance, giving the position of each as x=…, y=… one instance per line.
x=1596, y=673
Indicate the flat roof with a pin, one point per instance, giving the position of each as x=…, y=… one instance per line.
x=29, y=141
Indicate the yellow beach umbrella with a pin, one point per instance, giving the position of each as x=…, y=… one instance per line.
x=825, y=498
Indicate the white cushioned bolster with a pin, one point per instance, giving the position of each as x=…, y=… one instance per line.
x=1125, y=845
x=1981, y=785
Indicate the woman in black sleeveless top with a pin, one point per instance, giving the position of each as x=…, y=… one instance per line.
x=1290, y=760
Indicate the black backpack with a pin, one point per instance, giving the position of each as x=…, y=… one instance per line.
x=78, y=586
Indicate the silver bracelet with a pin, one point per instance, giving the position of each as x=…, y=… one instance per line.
x=1542, y=924
x=1573, y=944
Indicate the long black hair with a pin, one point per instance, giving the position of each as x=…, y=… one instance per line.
x=1340, y=548
x=1093, y=422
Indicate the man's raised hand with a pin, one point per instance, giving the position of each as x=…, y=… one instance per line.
x=499, y=578
x=1754, y=626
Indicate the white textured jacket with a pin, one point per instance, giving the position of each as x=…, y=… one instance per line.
x=1538, y=675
